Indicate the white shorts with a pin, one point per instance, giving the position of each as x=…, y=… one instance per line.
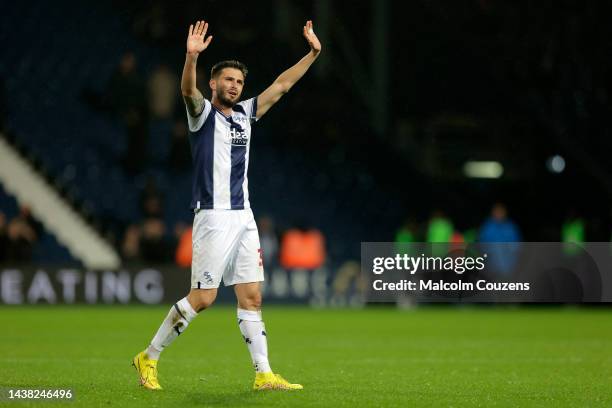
x=225, y=245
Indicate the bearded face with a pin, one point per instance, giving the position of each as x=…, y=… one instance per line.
x=227, y=86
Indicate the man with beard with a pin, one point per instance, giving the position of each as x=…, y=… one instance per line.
x=225, y=238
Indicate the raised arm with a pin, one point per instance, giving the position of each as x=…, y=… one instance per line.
x=287, y=79
x=195, y=45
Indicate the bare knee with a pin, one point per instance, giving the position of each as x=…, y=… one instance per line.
x=252, y=301
x=201, y=299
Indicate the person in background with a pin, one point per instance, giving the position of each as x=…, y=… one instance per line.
x=405, y=236
x=439, y=233
x=126, y=98
x=3, y=237
x=154, y=246
x=440, y=228
x=498, y=227
x=21, y=238
x=130, y=247
x=499, y=235
x=572, y=233
x=406, y=233
x=162, y=92
x=268, y=241
x=184, y=249
x=302, y=248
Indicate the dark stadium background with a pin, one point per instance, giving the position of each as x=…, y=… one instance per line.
x=375, y=134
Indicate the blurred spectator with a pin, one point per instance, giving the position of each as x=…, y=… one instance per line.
x=406, y=233
x=180, y=151
x=130, y=248
x=498, y=227
x=150, y=200
x=572, y=232
x=153, y=245
x=149, y=241
x=125, y=97
x=184, y=249
x=21, y=238
x=3, y=237
x=124, y=94
x=457, y=237
x=499, y=236
x=26, y=215
x=440, y=228
x=163, y=90
x=126, y=89
x=137, y=133
x=152, y=206
x=405, y=236
x=268, y=241
x=302, y=248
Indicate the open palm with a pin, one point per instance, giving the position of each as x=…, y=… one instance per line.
x=311, y=37
x=195, y=39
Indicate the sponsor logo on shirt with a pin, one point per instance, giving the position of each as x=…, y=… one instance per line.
x=238, y=137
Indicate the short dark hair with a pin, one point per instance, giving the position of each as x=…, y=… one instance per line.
x=219, y=66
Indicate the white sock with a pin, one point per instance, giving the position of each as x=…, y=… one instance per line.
x=254, y=333
x=176, y=322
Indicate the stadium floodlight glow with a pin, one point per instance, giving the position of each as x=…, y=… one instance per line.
x=555, y=164
x=483, y=169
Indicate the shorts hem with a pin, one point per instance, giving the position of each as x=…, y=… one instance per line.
x=199, y=285
x=243, y=281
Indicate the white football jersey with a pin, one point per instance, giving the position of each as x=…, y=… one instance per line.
x=220, y=150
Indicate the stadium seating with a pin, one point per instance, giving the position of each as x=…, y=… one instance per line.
x=82, y=149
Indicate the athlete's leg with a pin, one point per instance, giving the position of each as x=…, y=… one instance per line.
x=179, y=317
x=210, y=258
x=201, y=299
x=251, y=324
x=246, y=274
x=175, y=323
x=254, y=333
x=248, y=295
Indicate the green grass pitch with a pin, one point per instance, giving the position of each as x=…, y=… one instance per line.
x=430, y=357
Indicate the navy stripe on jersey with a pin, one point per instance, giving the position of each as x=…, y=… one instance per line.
x=238, y=154
x=236, y=108
x=254, y=113
x=203, y=152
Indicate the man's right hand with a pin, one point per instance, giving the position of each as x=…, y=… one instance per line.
x=195, y=39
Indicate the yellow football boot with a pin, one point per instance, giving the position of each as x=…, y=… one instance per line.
x=147, y=371
x=271, y=381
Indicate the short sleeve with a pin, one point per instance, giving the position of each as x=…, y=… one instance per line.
x=196, y=122
x=250, y=108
